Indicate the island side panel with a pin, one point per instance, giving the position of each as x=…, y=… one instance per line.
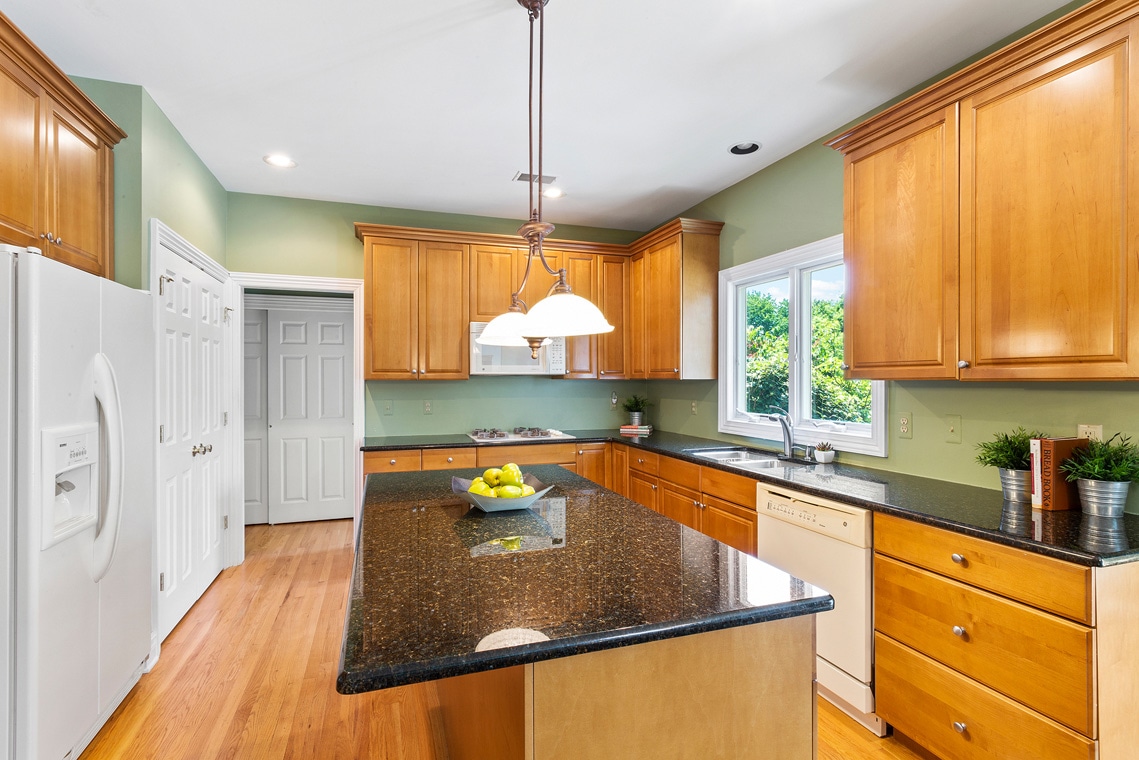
x=740, y=692
x=485, y=714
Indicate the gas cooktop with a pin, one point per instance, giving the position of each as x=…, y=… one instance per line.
x=494, y=435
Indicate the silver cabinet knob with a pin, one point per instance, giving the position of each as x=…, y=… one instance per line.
x=675, y=370
x=392, y=462
x=640, y=461
x=962, y=364
x=580, y=452
x=654, y=487
x=958, y=558
x=450, y=460
x=959, y=727
x=844, y=366
x=59, y=241
x=603, y=372
x=959, y=631
x=415, y=372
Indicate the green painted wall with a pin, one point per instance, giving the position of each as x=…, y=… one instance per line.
x=295, y=236
x=798, y=200
x=461, y=405
x=156, y=175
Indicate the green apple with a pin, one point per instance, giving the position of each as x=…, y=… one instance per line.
x=511, y=476
x=491, y=476
x=527, y=490
x=481, y=489
x=508, y=492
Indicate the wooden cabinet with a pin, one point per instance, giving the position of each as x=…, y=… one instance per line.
x=401, y=460
x=56, y=161
x=415, y=310
x=448, y=459
x=492, y=280
x=581, y=351
x=620, y=480
x=593, y=462
x=527, y=453
x=983, y=650
x=643, y=489
x=680, y=503
x=730, y=523
x=612, y=275
x=990, y=220
x=673, y=294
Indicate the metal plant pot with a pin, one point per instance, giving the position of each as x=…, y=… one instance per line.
x=1016, y=485
x=1102, y=534
x=1103, y=498
x=636, y=417
x=1016, y=518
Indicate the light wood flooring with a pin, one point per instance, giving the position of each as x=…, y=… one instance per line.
x=250, y=672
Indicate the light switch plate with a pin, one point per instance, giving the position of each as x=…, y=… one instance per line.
x=953, y=428
x=387, y=407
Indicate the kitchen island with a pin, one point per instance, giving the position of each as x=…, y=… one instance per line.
x=585, y=627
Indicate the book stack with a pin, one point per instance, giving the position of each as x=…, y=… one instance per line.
x=1050, y=490
x=636, y=431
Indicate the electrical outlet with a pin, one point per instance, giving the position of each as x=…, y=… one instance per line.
x=1091, y=432
x=694, y=407
x=905, y=425
x=953, y=428
x=613, y=400
x=387, y=407
x=427, y=407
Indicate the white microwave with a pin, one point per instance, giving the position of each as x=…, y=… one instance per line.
x=515, y=360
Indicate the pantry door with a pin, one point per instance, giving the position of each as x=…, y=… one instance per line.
x=312, y=458
x=191, y=378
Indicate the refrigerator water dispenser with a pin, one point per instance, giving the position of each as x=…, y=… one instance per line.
x=70, y=494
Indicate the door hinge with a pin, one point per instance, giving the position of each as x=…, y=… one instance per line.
x=162, y=434
x=225, y=522
x=162, y=280
x=224, y=419
x=162, y=581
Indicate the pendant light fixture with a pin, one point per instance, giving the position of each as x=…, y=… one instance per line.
x=560, y=313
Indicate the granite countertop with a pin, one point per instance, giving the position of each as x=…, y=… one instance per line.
x=980, y=512
x=592, y=570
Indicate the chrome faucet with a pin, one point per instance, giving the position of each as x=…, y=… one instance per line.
x=788, y=427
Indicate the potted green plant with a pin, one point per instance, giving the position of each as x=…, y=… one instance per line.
x=636, y=405
x=1009, y=453
x=1103, y=471
x=824, y=452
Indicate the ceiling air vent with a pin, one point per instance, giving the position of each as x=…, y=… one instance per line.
x=526, y=177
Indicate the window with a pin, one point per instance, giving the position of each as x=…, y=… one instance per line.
x=781, y=332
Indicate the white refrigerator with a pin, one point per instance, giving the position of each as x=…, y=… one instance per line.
x=77, y=490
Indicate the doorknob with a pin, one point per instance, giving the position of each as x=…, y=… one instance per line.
x=196, y=450
x=207, y=448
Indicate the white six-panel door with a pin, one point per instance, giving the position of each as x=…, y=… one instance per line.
x=189, y=520
x=312, y=465
x=255, y=362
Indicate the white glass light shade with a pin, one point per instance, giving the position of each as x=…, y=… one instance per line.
x=565, y=314
x=506, y=330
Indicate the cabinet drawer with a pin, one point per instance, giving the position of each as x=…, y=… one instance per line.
x=1038, y=581
x=403, y=460
x=1039, y=659
x=645, y=461
x=680, y=472
x=734, y=488
x=448, y=459
x=924, y=699
x=538, y=453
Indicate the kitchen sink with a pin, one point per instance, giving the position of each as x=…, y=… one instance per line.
x=743, y=458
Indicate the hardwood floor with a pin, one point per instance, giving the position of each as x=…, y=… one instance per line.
x=250, y=672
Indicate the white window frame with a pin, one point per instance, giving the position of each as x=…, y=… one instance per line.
x=795, y=264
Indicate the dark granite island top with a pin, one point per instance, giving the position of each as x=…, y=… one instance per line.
x=592, y=571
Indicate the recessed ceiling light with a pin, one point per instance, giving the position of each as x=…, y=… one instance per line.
x=742, y=149
x=279, y=160
x=553, y=192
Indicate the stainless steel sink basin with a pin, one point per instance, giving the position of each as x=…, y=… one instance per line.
x=737, y=457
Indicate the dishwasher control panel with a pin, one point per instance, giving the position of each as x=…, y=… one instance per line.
x=848, y=524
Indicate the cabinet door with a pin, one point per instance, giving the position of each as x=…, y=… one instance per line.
x=635, y=336
x=21, y=156
x=444, y=332
x=492, y=281
x=643, y=489
x=900, y=242
x=391, y=309
x=79, y=188
x=581, y=351
x=620, y=482
x=662, y=310
x=730, y=524
x=593, y=463
x=539, y=281
x=680, y=503
x=611, y=300
x=1049, y=191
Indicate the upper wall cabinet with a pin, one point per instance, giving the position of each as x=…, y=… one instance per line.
x=56, y=164
x=992, y=221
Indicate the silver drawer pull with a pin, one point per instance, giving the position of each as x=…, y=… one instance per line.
x=450, y=459
x=963, y=364
x=958, y=558
x=393, y=461
x=959, y=631
x=959, y=727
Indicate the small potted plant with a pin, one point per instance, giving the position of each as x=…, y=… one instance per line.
x=1103, y=471
x=636, y=405
x=1009, y=453
x=824, y=452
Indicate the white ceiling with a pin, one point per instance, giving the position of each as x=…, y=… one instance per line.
x=422, y=103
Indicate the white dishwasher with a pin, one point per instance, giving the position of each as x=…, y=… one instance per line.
x=829, y=545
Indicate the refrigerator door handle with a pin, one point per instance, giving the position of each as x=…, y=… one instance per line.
x=107, y=394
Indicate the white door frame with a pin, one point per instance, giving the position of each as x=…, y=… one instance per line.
x=288, y=282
